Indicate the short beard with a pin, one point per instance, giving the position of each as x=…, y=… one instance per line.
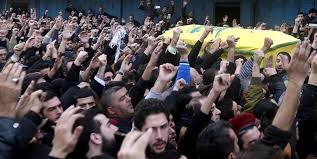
x=109, y=147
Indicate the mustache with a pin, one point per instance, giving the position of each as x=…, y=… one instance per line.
x=159, y=142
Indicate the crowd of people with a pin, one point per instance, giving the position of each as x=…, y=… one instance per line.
x=93, y=86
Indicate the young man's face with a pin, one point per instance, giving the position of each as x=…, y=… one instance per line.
x=107, y=129
x=131, y=18
x=69, y=45
x=301, y=17
x=121, y=104
x=172, y=132
x=279, y=65
x=86, y=102
x=250, y=137
x=159, y=137
x=106, y=142
x=164, y=10
x=52, y=109
x=3, y=55
x=3, y=34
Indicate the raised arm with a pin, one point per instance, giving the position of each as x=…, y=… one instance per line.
x=255, y=92
x=297, y=72
x=166, y=74
x=66, y=35
x=195, y=50
x=232, y=48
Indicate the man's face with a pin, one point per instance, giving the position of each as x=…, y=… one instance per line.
x=172, y=132
x=86, y=102
x=197, y=78
x=279, y=65
x=313, y=15
x=121, y=104
x=250, y=137
x=131, y=18
x=52, y=109
x=189, y=20
x=107, y=129
x=164, y=9
x=3, y=55
x=69, y=45
x=148, y=2
x=108, y=77
x=159, y=137
x=107, y=133
x=300, y=17
x=3, y=33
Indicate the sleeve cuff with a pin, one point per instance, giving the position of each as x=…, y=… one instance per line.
x=100, y=81
x=171, y=50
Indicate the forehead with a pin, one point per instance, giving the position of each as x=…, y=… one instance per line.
x=101, y=118
x=52, y=102
x=86, y=99
x=196, y=94
x=3, y=51
x=108, y=74
x=155, y=120
x=121, y=92
x=252, y=134
x=278, y=57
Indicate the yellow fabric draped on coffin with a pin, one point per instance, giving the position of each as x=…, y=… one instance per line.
x=250, y=40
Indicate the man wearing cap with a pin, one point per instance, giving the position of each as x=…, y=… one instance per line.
x=244, y=125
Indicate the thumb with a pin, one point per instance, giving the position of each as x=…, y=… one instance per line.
x=143, y=141
x=77, y=132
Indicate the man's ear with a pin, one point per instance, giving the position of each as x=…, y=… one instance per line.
x=96, y=138
x=231, y=156
x=110, y=111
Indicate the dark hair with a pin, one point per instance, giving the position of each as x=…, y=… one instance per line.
x=3, y=48
x=286, y=54
x=312, y=10
x=39, y=65
x=29, y=78
x=225, y=106
x=148, y=107
x=215, y=141
x=130, y=76
x=45, y=86
x=49, y=95
x=261, y=151
x=265, y=110
x=209, y=75
x=106, y=97
x=300, y=13
x=90, y=126
x=83, y=93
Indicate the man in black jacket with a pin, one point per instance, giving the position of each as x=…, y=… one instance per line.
x=98, y=137
x=117, y=105
x=153, y=113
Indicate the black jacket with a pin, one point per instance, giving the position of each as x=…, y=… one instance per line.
x=306, y=118
x=187, y=144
